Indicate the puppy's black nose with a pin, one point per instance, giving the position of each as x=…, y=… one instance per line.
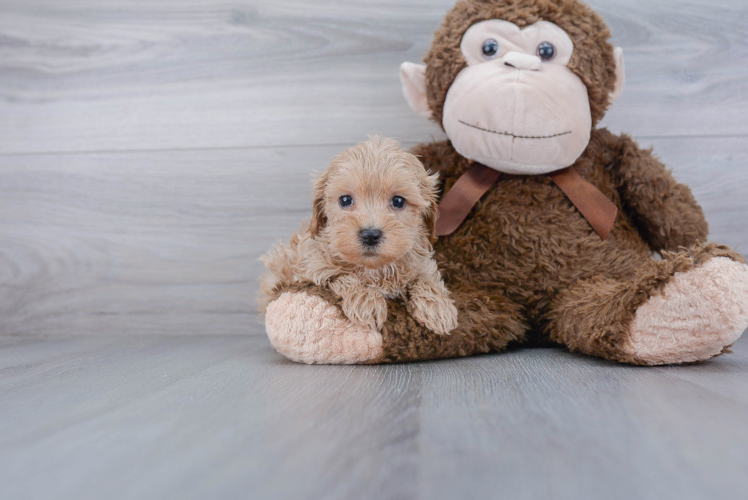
x=370, y=237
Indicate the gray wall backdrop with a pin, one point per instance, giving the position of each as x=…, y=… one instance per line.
x=150, y=152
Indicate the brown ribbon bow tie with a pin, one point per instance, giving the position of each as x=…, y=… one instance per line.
x=455, y=206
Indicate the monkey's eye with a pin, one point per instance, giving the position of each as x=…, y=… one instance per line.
x=398, y=202
x=546, y=51
x=490, y=48
x=346, y=201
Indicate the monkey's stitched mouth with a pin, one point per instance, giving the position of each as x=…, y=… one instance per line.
x=515, y=136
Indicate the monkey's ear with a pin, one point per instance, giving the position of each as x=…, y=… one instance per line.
x=620, y=75
x=319, y=219
x=413, y=78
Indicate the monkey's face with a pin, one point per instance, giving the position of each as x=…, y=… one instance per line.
x=516, y=107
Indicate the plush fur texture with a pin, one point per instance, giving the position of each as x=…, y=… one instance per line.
x=550, y=272
x=526, y=267
x=331, y=252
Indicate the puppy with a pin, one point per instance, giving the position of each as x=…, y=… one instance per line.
x=369, y=239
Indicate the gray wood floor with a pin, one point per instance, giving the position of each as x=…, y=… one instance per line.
x=153, y=417
x=150, y=152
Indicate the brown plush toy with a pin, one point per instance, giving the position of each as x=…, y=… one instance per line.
x=548, y=224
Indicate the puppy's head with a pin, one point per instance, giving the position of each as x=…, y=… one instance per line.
x=375, y=203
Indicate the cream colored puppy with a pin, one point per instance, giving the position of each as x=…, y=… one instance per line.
x=369, y=239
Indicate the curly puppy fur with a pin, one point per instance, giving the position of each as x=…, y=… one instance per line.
x=331, y=251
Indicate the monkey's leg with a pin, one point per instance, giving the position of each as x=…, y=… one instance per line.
x=688, y=307
x=305, y=324
x=483, y=325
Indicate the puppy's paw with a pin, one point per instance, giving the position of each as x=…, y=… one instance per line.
x=367, y=307
x=434, y=310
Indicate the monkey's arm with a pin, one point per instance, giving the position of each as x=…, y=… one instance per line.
x=665, y=211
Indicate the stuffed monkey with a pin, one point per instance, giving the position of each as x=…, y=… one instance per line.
x=548, y=224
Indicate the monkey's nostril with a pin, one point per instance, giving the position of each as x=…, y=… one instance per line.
x=370, y=237
x=510, y=65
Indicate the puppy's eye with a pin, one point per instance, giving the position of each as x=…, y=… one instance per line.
x=345, y=201
x=490, y=48
x=546, y=51
x=398, y=202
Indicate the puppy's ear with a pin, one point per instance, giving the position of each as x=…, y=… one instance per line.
x=430, y=188
x=319, y=219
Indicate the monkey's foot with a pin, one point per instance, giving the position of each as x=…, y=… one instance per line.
x=695, y=317
x=307, y=329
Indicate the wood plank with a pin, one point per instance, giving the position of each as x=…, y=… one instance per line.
x=125, y=75
x=167, y=242
x=226, y=417
x=557, y=425
x=144, y=242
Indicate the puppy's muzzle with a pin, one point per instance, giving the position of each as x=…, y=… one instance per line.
x=370, y=237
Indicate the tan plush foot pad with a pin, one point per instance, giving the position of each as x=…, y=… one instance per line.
x=307, y=329
x=697, y=315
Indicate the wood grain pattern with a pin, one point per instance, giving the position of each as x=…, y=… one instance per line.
x=167, y=242
x=226, y=417
x=148, y=242
x=123, y=75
